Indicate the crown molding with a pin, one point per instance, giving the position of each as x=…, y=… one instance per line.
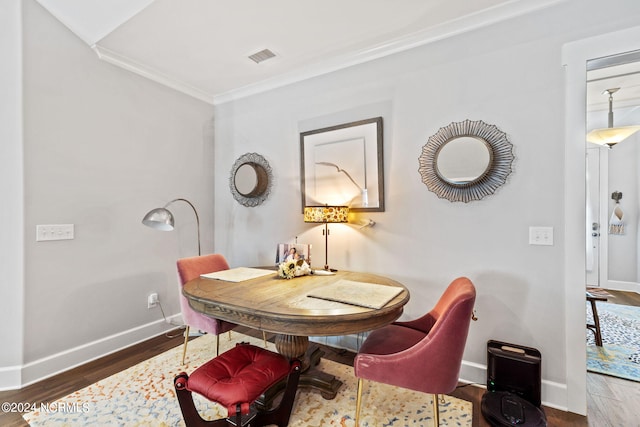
x=150, y=73
x=452, y=28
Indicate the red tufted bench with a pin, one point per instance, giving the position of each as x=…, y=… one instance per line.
x=235, y=379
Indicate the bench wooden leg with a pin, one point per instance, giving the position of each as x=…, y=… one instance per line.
x=595, y=327
x=189, y=412
x=278, y=416
x=281, y=414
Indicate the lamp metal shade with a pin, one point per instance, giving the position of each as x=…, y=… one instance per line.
x=611, y=136
x=326, y=214
x=162, y=219
x=159, y=219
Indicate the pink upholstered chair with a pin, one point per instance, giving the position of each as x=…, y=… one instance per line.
x=423, y=354
x=192, y=268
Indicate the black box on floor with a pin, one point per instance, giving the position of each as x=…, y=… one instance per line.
x=514, y=380
x=514, y=368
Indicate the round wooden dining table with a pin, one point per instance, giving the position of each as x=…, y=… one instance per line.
x=315, y=305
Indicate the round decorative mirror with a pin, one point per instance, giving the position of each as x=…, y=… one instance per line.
x=463, y=160
x=466, y=161
x=251, y=179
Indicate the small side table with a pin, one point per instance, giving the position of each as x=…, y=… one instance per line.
x=595, y=326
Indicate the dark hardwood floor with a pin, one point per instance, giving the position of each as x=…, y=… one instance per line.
x=60, y=385
x=611, y=401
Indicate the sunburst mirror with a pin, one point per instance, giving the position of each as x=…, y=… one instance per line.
x=466, y=161
x=251, y=179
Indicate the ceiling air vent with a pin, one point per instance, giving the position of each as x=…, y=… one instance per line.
x=263, y=55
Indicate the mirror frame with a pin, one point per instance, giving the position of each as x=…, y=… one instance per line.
x=500, y=161
x=264, y=180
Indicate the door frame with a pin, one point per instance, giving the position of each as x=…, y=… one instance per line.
x=602, y=216
x=575, y=56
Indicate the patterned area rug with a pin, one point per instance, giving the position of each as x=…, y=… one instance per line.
x=143, y=395
x=620, y=354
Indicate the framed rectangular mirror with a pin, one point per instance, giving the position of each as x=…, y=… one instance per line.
x=343, y=165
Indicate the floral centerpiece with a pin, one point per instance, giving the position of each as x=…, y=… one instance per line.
x=293, y=268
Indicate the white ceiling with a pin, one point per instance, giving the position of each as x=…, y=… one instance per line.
x=625, y=76
x=201, y=47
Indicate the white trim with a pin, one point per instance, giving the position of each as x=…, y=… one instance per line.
x=575, y=56
x=555, y=394
x=49, y=366
x=10, y=377
x=603, y=219
x=618, y=285
x=575, y=225
x=149, y=73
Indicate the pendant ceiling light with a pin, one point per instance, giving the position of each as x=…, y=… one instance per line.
x=610, y=135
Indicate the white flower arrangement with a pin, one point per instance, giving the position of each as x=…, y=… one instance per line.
x=293, y=268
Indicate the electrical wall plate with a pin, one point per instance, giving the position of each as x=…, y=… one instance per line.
x=541, y=236
x=54, y=232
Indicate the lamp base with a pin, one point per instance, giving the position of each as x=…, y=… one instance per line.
x=320, y=272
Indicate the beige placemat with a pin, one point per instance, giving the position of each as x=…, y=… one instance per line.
x=238, y=274
x=370, y=295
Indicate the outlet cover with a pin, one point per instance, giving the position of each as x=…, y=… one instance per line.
x=54, y=232
x=541, y=236
x=152, y=300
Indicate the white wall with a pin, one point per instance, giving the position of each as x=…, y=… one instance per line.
x=11, y=194
x=101, y=147
x=623, y=177
x=509, y=74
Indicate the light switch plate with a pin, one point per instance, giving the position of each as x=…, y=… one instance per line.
x=54, y=232
x=541, y=236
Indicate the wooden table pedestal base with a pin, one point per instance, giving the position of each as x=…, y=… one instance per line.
x=298, y=347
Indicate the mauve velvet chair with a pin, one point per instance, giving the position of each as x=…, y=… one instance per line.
x=189, y=269
x=423, y=354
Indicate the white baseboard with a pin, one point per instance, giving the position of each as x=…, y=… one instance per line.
x=616, y=285
x=554, y=395
x=10, y=377
x=16, y=377
x=350, y=342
